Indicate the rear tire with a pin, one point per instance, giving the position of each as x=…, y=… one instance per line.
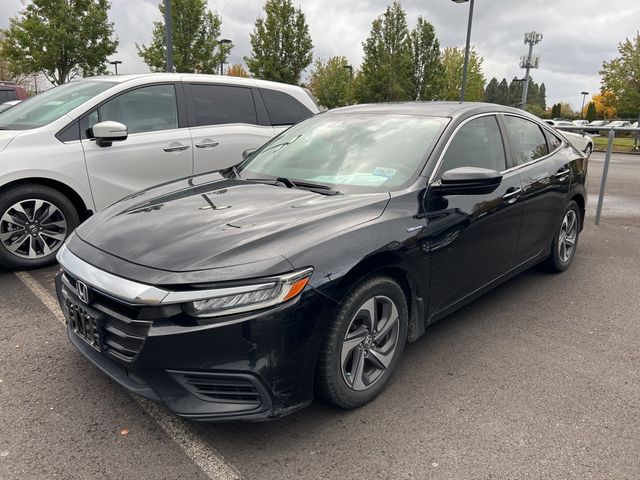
x=34, y=222
x=565, y=239
x=363, y=344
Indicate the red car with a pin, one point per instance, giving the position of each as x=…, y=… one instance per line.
x=11, y=91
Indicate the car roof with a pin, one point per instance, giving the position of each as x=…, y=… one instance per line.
x=193, y=77
x=435, y=109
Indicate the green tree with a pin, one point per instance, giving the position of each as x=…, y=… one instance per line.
x=592, y=113
x=195, y=39
x=515, y=93
x=621, y=76
x=542, y=96
x=62, y=39
x=427, y=69
x=330, y=82
x=281, y=47
x=387, y=68
x=491, y=93
x=503, y=92
x=453, y=61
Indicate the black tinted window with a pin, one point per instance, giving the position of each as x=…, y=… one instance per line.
x=283, y=109
x=220, y=104
x=527, y=139
x=146, y=109
x=553, y=141
x=477, y=144
x=7, y=95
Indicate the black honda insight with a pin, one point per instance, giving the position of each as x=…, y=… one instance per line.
x=304, y=270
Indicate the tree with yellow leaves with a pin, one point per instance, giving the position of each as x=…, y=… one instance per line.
x=237, y=70
x=605, y=103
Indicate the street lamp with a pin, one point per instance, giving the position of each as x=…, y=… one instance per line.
x=115, y=63
x=584, y=95
x=168, y=34
x=466, y=50
x=350, y=68
x=223, y=41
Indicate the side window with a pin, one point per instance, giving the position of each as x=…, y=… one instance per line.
x=221, y=104
x=527, y=139
x=146, y=109
x=553, y=141
x=282, y=108
x=477, y=144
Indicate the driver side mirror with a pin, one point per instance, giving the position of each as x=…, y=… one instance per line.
x=468, y=181
x=108, y=132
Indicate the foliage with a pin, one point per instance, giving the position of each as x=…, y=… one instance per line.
x=62, y=39
x=330, y=82
x=605, y=104
x=591, y=112
x=427, y=68
x=556, y=110
x=511, y=94
x=281, y=47
x=237, y=70
x=195, y=39
x=621, y=76
x=387, y=70
x=452, y=62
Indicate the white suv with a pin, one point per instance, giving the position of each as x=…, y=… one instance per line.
x=79, y=147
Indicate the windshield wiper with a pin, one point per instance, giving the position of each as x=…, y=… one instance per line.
x=283, y=144
x=304, y=185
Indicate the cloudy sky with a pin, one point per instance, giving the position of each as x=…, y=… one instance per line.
x=578, y=34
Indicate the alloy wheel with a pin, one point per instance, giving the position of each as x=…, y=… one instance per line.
x=370, y=343
x=567, y=236
x=32, y=228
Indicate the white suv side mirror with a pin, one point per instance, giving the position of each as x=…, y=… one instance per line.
x=108, y=132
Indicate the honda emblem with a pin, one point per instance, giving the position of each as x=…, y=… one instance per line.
x=83, y=291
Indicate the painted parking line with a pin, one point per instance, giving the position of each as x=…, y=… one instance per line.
x=210, y=461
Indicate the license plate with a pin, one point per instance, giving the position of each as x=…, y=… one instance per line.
x=83, y=324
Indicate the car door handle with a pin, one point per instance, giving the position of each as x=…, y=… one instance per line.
x=512, y=195
x=175, y=147
x=562, y=173
x=207, y=144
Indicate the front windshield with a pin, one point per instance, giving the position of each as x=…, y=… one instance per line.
x=51, y=105
x=349, y=152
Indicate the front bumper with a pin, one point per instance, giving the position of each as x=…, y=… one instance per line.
x=255, y=366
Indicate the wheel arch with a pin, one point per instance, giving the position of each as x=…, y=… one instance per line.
x=84, y=211
x=393, y=266
x=580, y=200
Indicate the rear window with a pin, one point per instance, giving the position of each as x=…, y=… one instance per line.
x=283, y=109
x=7, y=94
x=221, y=104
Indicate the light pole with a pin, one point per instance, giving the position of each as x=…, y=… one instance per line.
x=466, y=49
x=168, y=34
x=224, y=41
x=584, y=95
x=115, y=63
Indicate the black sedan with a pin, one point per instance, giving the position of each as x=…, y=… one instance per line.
x=303, y=271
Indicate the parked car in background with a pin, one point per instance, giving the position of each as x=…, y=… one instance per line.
x=303, y=271
x=619, y=123
x=72, y=150
x=581, y=123
x=11, y=91
x=598, y=123
x=578, y=139
x=7, y=105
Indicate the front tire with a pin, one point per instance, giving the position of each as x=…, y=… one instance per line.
x=35, y=220
x=588, y=150
x=363, y=344
x=565, y=239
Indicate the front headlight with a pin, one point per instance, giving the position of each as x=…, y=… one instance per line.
x=230, y=300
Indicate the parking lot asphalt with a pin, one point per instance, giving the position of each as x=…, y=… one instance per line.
x=538, y=379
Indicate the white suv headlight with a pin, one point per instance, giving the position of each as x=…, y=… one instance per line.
x=230, y=300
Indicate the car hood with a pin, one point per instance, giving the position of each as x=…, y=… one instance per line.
x=209, y=222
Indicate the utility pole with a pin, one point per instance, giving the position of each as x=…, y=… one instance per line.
x=168, y=34
x=465, y=67
x=528, y=62
x=584, y=96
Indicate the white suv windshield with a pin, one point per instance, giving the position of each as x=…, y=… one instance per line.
x=349, y=152
x=51, y=105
